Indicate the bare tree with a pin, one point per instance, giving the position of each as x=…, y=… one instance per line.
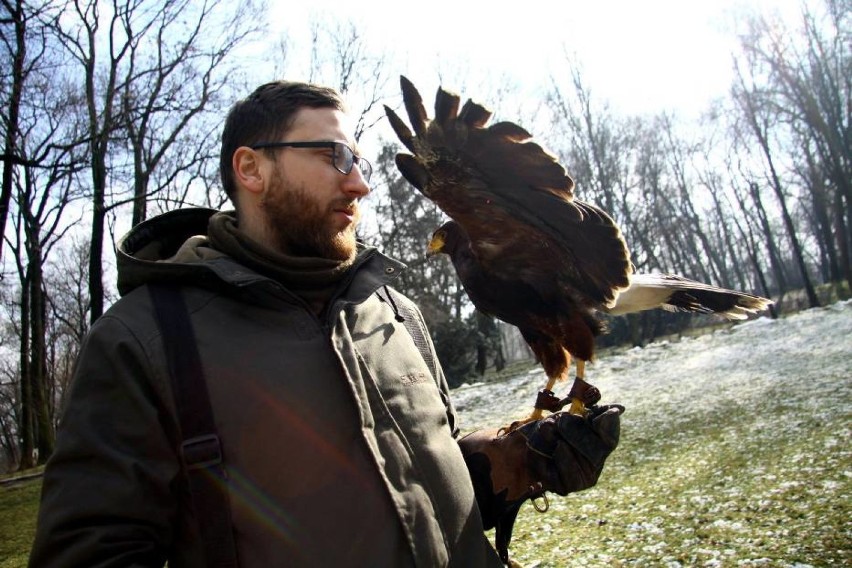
x=746, y=230
x=108, y=97
x=727, y=242
x=681, y=156
x=340, y=57
x=803, y=78
x=170, y=85
x=41, y=178
x=68, y=308
x=760, y=120
x=665, y=229
x=596, y=149
x=15, y=50
x=148, y=71
x=23, y=43
x=10, y=383
x=41, y=198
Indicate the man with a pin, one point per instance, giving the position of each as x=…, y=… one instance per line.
x=337, y=436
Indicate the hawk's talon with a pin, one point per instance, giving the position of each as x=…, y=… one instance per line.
x=577, y=408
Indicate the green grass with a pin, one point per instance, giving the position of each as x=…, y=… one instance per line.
x=18, y=511
x=755, y=471
x=764, y=485
x=754, y=491
x=724, y=460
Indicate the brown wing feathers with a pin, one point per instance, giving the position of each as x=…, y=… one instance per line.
x=473, y=115
x=508, y=157
x=414, y=107
x=515, y=202
x=502, y=153
x=478, y=174
x=446, y=109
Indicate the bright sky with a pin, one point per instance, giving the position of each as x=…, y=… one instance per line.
x=640, y=55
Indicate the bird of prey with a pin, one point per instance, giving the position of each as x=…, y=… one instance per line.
x=526, y=251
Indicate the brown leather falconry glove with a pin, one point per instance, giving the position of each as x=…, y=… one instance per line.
x=562, y=453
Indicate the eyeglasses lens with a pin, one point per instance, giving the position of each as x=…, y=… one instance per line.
x=366, y=168
x=344, y=158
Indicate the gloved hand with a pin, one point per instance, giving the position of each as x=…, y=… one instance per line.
x=562, y=453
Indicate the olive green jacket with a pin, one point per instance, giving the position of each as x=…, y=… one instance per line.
x=338, y=441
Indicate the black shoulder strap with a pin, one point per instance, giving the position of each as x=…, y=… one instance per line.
x=201, y=450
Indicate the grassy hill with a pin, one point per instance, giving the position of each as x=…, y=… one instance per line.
x=734, y=452
x=18, y=510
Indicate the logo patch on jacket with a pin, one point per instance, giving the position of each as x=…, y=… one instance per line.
x=414, y=378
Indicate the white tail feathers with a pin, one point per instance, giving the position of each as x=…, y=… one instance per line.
x=678, y=294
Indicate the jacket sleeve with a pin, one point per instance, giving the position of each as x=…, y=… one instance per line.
x=452, y=416
x=109, y=493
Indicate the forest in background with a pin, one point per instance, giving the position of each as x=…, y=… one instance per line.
x=112, y=113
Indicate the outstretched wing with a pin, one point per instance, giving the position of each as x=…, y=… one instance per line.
x=678, y=294
x=513, y=199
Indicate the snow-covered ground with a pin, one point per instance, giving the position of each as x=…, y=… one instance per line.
x=731, y=365
x=735, y=451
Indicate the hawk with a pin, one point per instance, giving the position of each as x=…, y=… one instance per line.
x=525, y=249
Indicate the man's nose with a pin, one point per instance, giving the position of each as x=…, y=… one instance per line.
x=355, y=185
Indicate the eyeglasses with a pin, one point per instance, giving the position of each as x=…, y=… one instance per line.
x=342, y=156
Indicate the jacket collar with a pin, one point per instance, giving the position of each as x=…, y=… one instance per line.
x=148, y=254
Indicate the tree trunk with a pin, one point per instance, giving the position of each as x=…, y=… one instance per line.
x=42, y=419
x=798, y=254
x=771, y=247
x=747, y=235
x=27, y=424
x=12, y=112
x=728, y=239
x=140, y=198
x=822, y=218
x=824, y=237
x=844, y=242
x=96, y=251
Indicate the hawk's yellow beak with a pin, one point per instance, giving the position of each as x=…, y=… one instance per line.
x=436, y=244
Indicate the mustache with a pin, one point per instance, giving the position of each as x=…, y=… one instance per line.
x=346, y=205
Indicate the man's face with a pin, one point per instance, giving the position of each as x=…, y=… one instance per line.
x=310, y=208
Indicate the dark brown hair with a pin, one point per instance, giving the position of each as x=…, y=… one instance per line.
x=265, y=116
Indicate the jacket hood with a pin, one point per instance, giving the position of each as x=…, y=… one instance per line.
x=174, y=248
x=167, y=248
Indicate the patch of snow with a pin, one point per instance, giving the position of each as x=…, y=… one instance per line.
x=809, y=352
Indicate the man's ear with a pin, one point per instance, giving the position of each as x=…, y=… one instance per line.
x=248, y=170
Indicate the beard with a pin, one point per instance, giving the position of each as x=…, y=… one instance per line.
x=301, y=226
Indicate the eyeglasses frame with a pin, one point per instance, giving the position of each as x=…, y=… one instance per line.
x=356, y=159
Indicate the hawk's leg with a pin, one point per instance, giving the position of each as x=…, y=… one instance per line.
x=582, y=393
x=545, y=400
